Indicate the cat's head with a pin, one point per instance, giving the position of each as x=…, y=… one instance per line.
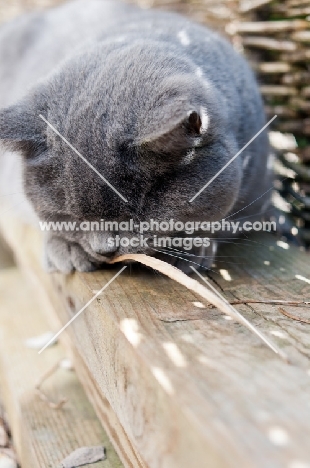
x=151, y=128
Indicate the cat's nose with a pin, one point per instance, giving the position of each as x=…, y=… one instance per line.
x=103, y=243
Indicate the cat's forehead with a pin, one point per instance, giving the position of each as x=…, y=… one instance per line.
x=122, y=95
x=128, y=70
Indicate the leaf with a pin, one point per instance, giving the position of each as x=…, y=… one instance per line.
x=84, y=456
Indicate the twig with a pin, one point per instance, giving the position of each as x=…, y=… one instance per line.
x=293, y=317
x=190, y=283
x=40, y=392
x=271, y=301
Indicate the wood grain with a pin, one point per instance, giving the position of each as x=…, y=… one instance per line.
x=43, y=436
x=189, y=387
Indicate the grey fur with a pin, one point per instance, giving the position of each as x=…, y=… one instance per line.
x=126, y=87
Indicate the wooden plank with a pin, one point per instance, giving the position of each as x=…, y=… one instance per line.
x=6, y=258
x=189, y=387
x=43, y=436
x=49, y=296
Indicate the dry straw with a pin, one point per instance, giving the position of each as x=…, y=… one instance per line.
x=206, y=293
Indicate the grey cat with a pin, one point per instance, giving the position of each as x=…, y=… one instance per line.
x=156, y=103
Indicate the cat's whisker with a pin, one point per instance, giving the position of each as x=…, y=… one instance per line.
x=253, y=242
x=10, y=194
x=252, y=215
x=258, y=198
x=207, y=256
x=185, y=260
x=199, y=256
x=13, y=207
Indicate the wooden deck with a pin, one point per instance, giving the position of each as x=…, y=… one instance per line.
x=173, y=381
x=43, y=436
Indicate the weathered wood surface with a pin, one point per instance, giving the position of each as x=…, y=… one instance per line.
x=6, y=258
x=43, y=436
x=189, y=387
x=48, y=294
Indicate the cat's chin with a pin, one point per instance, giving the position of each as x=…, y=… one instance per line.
x=65, y=257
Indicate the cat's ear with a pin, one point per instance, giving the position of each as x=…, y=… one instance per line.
x=177, y=133
x=21, y=127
